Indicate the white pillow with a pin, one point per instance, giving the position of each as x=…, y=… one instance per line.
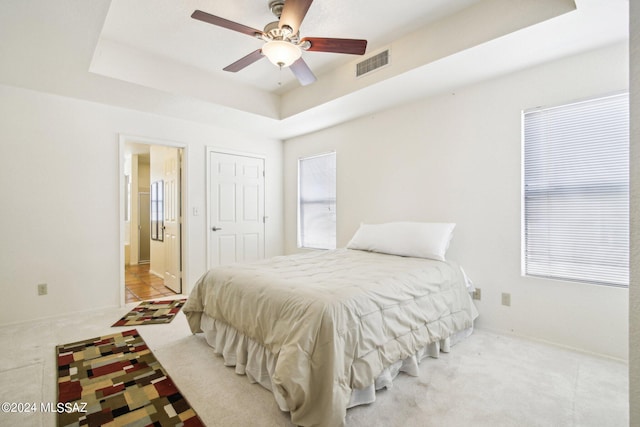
x=413, y=239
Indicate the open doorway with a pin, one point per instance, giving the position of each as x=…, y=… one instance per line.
x=152, y=220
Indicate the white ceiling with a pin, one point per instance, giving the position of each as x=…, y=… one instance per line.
x=150, y=55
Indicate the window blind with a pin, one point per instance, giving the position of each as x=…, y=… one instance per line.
x=576, y=191
x=317, y=202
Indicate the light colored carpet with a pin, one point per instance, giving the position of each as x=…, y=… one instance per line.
x=487, y=380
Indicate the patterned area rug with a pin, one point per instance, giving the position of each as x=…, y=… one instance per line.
x=116, y=380
x=150, y=312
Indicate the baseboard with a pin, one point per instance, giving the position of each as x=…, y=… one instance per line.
x=65, y=314
x=156, y=274
x=553, y=344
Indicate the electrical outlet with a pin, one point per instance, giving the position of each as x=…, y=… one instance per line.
x=477, y=294
x=506, y=299
x=42, y=289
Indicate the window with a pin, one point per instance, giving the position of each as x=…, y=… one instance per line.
x=576, y=191
x=317, y=202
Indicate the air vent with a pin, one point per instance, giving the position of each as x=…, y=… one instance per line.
x=373, y=63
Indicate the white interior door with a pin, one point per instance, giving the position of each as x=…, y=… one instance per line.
x=144, y=228
x=172, y=216
x=236, y=208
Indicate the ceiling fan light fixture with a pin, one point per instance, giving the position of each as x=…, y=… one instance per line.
x=281, y=53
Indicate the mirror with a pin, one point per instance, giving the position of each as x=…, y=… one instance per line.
x=157, y=210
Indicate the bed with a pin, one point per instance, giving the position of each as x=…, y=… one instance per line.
x=323, y=330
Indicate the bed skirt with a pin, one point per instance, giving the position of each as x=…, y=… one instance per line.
x=258, y=364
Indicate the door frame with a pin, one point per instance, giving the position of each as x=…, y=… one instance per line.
x=213, y=149
x=125, y=139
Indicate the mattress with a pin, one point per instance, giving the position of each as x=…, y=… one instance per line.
x=329, y=322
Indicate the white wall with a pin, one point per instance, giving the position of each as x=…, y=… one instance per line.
x=60, y=189
x=456, y=157
x=634, y=290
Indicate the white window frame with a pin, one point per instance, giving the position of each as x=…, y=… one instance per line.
x=573, y=208
x=330, y=202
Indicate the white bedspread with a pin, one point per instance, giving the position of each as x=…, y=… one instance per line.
x=334, y=319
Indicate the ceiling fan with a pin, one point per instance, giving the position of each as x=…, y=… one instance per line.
x=283, y=45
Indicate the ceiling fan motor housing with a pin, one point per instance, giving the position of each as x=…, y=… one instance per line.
x=272, y=31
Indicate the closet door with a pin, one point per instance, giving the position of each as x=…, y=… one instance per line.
x=235, y=208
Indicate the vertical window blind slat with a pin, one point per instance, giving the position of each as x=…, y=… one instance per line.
x=576, y=191
x=317, y=202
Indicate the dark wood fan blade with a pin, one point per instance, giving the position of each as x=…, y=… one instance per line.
x=350, y=46
x=293, y=13
x=302, y=72
x=225, y=23
x=244, y=62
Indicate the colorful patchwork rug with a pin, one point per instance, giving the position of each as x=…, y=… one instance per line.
x=116, y=380
x=150, y=312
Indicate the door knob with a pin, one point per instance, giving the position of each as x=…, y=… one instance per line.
x=215, y=228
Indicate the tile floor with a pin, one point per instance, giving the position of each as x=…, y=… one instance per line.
x=141, y=285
